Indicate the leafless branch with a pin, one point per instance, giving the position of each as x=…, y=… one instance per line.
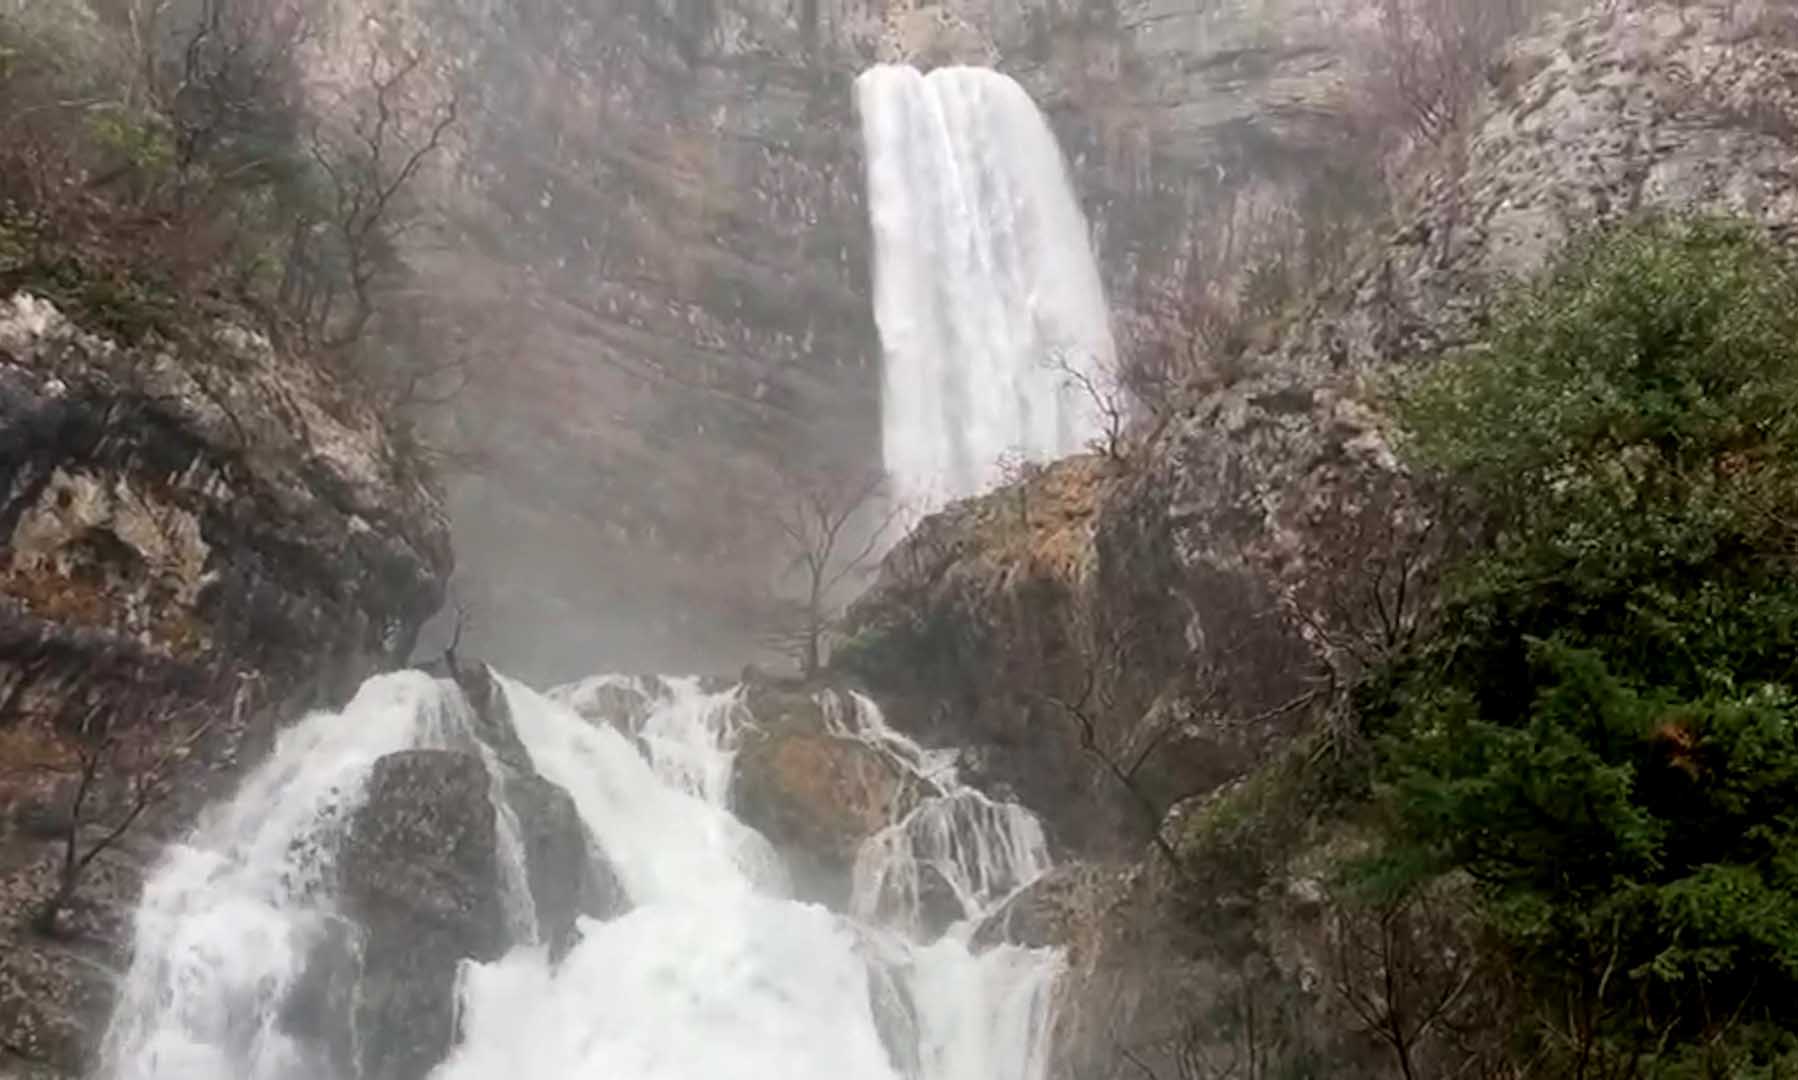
x=814, y=520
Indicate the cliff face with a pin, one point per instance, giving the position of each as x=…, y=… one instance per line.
x=1142, y=641
x=663, y=236
x=202, y=537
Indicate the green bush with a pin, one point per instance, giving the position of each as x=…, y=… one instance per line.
x=141, y=139
x=1603, y=733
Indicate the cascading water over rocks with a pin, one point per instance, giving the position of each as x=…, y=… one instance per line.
x=710, y=970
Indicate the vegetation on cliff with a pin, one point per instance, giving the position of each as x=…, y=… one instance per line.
x=1600, y=732
x=157, y=158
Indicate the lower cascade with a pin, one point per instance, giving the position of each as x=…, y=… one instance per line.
x=706, y=968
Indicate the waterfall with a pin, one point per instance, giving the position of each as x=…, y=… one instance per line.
x=986, y=295
x=713, y=972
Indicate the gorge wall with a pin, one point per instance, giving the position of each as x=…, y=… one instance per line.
x=663, y=239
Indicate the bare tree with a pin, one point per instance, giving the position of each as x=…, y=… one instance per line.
x=1110, y=400
x=1381, y=569
x=1402, y=964
x=1088, y=703
x=1245, y=1034
x=236, y=80
x=391, y=137
x=833, y=524
x=120, y=770
x=1430, y=59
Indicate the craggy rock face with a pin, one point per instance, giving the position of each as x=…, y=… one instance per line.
x=195, y=539
x=1045, y=628
x=168, y=507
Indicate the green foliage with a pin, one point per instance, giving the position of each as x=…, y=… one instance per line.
x=1604, y=733
x=142, y=139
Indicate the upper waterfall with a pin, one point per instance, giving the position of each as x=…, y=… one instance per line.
x=986, y=294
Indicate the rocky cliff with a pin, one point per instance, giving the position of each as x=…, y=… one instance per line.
x=1155, y=647
x=203, y=537
x=661, y=235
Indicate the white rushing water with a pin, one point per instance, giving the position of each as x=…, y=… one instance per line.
x=986, y=293
x=713, y=972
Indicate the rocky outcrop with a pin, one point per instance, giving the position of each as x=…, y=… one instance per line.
x=1045, y=629
x=421, y=879
x=166, y=502
x=565, y=880
x=199, y=537
x=815, y=794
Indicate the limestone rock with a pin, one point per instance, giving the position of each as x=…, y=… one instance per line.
x=52, y=1002
x=814, y=794
x=1061, y=909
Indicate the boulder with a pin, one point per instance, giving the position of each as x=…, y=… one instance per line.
x=566, y=882
x=816, y=796
x=420, y=876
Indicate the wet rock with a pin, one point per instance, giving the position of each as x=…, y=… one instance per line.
x=1059, y=909
x=419, y=874
x=623, y=703
x=938, y=906
x=895, y=1018
x=53, y=1002
x=320, y=1010
x=492, y=713
x=814, y=795
x=565, y=881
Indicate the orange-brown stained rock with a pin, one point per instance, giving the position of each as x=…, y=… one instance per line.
x=815, y=796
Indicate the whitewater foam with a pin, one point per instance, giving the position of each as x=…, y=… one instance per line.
x=713, y=972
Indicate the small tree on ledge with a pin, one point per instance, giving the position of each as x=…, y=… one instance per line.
x=119, y=770
x=832, y=524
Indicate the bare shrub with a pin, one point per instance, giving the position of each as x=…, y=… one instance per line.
x=117, y=768
x=1403, y=965
x=395, y=124
x=1429, y=60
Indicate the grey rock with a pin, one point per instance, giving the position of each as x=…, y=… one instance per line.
x=420, y=877
x=566, y=879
